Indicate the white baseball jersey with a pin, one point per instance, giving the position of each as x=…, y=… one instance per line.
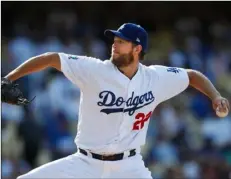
x=115, y=111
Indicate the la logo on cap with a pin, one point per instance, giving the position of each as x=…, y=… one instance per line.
x=137, y=39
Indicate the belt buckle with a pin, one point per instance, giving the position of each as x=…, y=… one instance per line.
x=109, y=157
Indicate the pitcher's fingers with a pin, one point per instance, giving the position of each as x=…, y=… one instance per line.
x=222, y=109
x=223, y=104
x=227, y=104
x=219, y=103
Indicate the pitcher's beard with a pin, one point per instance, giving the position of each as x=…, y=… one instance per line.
x=123, y=60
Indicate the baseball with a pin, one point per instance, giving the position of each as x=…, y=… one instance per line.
x=222, y=114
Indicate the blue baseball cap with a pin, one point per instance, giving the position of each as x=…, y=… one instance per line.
x=131, y=32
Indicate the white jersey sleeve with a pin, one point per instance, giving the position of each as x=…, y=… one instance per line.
x=171, y=81
x=78, y=69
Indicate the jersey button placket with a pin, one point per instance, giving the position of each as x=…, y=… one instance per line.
x=124, y=124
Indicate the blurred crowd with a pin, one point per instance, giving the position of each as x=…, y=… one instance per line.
x=185, y=139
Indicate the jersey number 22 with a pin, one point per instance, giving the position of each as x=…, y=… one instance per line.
x=141, y=119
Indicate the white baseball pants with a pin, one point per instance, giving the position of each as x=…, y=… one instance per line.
x=81, y=166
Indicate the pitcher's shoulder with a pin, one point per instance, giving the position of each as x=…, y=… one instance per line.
x=157, y=68
x=150, y=68
x=154, y=70
x=97, y=62
x=79, y=58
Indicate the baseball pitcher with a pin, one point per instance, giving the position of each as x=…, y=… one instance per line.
x=118, y=97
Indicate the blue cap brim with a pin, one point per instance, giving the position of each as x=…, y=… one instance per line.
x=112, y=33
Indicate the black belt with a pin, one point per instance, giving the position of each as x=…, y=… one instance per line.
x=114, y=157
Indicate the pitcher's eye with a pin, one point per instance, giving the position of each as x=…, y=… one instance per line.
x=120, y=41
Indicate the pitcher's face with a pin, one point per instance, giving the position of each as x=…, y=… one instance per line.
x=122, y=52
